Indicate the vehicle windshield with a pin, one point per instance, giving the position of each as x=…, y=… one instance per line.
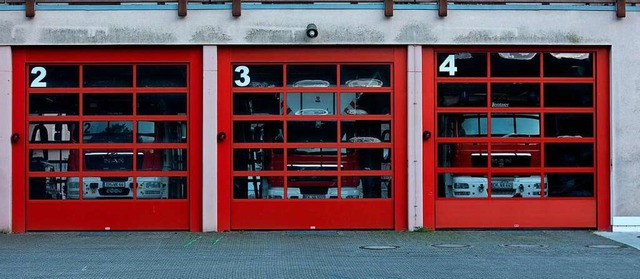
x=502, y=125
x=97, y=161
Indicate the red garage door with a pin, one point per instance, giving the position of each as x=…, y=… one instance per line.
x=312, y=138
x=109, y=139
x=520, y=138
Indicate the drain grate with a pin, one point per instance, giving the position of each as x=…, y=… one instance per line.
x=451, y=245
x=524, y=245
x=604, y=246
x=379, y=247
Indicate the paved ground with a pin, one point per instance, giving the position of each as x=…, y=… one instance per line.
x=317, y=254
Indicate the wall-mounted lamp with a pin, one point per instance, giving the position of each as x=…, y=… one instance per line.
x=312, y=30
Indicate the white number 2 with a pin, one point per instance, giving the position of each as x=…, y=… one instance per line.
x=449, y=65
x=244, y=76
x=37, y=82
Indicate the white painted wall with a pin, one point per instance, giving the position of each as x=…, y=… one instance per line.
x=209, y=146
x=5, y=134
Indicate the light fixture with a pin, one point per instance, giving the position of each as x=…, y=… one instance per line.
x=312, y=30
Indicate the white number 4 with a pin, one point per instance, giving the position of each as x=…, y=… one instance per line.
x=449, y=65
x=42, y=73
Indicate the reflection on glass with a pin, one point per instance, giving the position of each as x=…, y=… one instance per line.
x=257, y=131
x=365, y=103
x=162, y=160
x=568, y=95
x=466, y=64
x=258, y=159
x=161, y=188
x=311, y=103
x=462, y=95
x=312, y=131
x=107, y=104
x=53, y=132
x=366, y=131
x=516, y=186
x=515, y=64
x=54, y=104
x=365, y=75
x=257, y=103
x=570, y=184
x=161, y=104
x=457, y=185
x=368, y=187
x=53, y=160
x=54, y=76
x=311, y=75
x=505, y=95
x=161, y=76
x=568, y=125
x=568, y=64
x=515, y=155
x=312, y=187
x=108, y=160
x=107, y=76
x=258, y=187
x=312, y=159
x=53, y=188
x=107, y=132
x=161, y=132
x=462, y=155
x=515, y=125
x=462, y=125
x=107, y=188
x=568, y=154
x=365, y=159
x=257, y=75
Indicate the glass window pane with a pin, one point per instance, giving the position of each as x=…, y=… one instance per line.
x=54, y=104
x=456, y=185
x=53, y=160
x=257, y=131
x=515, y=64
x=505, y=95
x=53, y=132
x=570, y=184
x=107, y=132
x=258, y=159
x=312, y=131
x=568, y=95
x=161, y=132
x=516, y=186
x=466, y=64
x=162, y=75
x=108, y=160
x=313, y=159
x=161, y=188
x=312, y=187
x=365, y=103
x=368, y=187
x=565, y=125
x=48, y=76
x=258, y=187
x=366, y=131
x=365, y=159
x=462, y=125
x=568, y=64
x=162, y=160
x=257, y=103
x=515, y=155
x=53, y=188
x=311, y=75
x=257, y=75
x=108, y=76
x=107, y=187
x=107, y=104
x=311, y=103
x=462, y=95
x=365, y=75
x=161, y=104
x=515, y=125
x=462, y=155
x=568, y=154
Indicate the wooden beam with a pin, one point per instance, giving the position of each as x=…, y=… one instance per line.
x=30, y=8
x=621, y=8
x=442, y=8
x=182, y=7
x=236, y=10
x=388, y=8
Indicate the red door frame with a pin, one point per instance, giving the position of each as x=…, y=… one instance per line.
x=272, y=214
x=541, y=213
x=80, y=215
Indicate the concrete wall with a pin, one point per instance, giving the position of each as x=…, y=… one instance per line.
x=370, y=27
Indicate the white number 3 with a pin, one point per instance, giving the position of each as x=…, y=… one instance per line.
x=449, y=65
x=37, y=82
x=244, y=76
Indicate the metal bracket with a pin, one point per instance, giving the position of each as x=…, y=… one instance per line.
x=30, y=8
x=442, y=8
x=621, y=8
x=182, y=7
x=388, y=8
x=236, y=9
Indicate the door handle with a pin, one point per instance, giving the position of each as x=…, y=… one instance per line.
x=15, y=137
x=222, y=136
x=426, y=135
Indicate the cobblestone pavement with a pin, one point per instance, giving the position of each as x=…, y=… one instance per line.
x=317, y=254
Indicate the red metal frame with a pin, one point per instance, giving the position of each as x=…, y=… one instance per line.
x=305, y=214
x=130, y=214
x=542, y=212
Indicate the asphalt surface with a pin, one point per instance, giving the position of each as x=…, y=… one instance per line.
x=317, y=254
